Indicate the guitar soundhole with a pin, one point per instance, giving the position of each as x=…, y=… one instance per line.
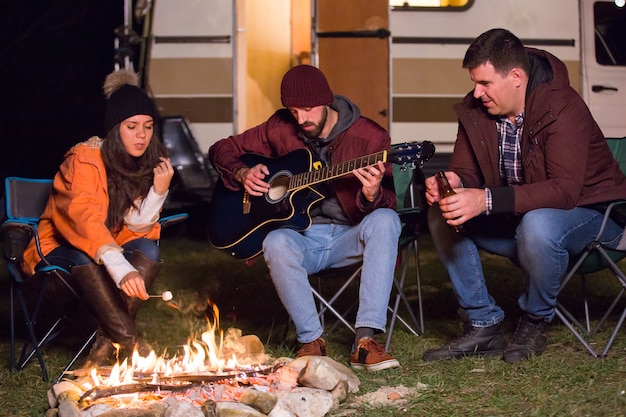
x=279, y=187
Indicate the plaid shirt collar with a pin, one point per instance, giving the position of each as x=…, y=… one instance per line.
x=510, y=136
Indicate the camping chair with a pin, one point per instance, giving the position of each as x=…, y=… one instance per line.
x=411, y=214
x=595, y=258
x=25, y=201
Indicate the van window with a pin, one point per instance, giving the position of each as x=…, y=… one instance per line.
x=409, y=5
x=610, y=31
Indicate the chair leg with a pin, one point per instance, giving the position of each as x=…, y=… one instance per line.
x=400, y=296
x=418, y=279
x=575, y=332
x=330, y=308
x=31, y=320
x=72, y=361
x=12, y=324
x=618, y=326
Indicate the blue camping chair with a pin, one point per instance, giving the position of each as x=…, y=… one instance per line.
x=26, y=199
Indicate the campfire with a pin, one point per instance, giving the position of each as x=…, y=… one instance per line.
x=217, y=374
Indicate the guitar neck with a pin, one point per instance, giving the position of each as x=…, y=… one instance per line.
x=336, y=170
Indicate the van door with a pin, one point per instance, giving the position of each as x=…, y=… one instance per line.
x=352, y=44
x=604, y=64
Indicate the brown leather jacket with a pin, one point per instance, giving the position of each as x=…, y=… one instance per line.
x=566, y=161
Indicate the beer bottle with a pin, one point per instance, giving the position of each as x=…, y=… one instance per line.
x=445, y=190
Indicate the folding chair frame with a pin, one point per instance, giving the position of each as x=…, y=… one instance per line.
x=408, y=245
x=594, y=258
x=26, y=224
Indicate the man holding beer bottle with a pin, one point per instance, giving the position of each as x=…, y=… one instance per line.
x=529, y=164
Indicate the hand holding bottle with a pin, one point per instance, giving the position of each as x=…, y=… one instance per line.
x=445, y=190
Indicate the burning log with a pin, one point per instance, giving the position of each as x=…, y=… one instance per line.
x=216, y=374
x=99, y=392
x=172, y=384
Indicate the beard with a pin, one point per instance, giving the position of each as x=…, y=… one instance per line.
x=317, y=127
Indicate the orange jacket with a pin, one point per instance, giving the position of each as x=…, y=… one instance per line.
x=77, y=209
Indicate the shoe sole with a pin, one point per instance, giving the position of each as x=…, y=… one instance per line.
x=462, y=355
x=388, y=364
x=520, y=356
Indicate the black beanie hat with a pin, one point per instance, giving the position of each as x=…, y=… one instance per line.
x=125, y=99
x=305, y=86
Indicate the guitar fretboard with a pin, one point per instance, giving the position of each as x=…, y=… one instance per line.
x=336, y=170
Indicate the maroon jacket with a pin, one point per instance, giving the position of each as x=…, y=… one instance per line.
x=353, y=136
x=566, y=161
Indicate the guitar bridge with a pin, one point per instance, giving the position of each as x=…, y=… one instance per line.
x=246, y=203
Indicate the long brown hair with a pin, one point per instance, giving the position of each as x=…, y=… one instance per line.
x=128, y=177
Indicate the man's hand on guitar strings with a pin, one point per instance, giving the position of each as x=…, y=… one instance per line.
x=371, y=177
x=252, y=179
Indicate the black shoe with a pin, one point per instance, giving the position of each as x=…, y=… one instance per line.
x=477, y=341
x=530, y=339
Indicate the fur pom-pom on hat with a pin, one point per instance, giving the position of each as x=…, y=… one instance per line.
x=116, y=79
x=125, y=99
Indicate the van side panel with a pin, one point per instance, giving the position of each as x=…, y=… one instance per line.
x=428, y=48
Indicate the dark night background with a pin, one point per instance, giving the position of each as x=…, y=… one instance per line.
x=54, y=56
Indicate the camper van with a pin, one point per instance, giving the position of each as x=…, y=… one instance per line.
x=219, y=63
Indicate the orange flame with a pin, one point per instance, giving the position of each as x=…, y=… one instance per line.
x=200, y=356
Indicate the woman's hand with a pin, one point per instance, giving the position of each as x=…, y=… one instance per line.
x=163, y=174
x=133, y=285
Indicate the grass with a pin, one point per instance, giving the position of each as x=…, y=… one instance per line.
x=564, y=381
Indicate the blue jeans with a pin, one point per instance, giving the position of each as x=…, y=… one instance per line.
x=291, y=256
x=541, y=242
x=67, y=256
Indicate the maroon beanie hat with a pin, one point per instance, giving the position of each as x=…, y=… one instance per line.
x=305, y=86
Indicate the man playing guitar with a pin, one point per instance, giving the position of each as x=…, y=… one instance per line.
x=353, y=220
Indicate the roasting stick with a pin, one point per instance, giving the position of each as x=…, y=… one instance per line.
x=166, y=296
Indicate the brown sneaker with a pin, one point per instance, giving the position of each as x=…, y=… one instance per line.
x=370, y=356
x=314, y=348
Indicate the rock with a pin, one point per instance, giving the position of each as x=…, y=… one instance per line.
x=123, y=412
x=66, y=385
x=319, y=373
x=68, y=396
x=182, y=409
x=52, y=412
x=340, y=392
x=235, y=409
x=69, y=409
x=326, y=367
x=97, y=410
x=302, y=402
x=52, y=399
x=261, y=401
x=247, y=349
x=209, y=408
x=288, y=377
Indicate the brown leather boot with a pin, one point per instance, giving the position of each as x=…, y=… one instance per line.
x=107, y=302
x=148, y=269
x=102, y=352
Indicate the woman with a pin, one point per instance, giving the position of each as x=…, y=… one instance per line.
x=101, y=221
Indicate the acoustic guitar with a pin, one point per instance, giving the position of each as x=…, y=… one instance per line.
x=238, y=222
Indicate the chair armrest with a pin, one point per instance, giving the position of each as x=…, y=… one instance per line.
x=173, y=219
x=410, y=215
x=615, y=211
x=16, y=236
